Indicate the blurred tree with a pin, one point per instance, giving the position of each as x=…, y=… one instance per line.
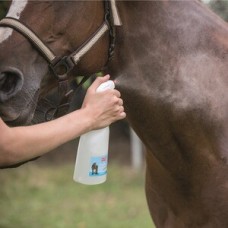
x=3, y=7
x=220, y=7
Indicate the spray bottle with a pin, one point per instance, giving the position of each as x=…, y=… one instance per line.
x=92, y=155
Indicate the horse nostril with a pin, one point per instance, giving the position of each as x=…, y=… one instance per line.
x=11, y=81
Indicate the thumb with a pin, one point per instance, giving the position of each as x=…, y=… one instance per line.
x=99, y=81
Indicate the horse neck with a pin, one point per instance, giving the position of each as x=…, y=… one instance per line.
x=162, y=47
x=161, y=28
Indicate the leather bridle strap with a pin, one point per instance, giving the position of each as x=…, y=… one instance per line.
x=60, y=66
x=27, y=32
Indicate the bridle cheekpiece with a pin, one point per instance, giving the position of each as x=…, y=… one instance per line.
x=61, y=66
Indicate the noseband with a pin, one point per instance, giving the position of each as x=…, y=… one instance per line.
x=61, y=66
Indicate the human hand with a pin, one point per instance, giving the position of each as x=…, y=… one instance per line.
x=105, y=107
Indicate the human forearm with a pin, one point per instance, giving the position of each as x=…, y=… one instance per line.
x=99, y=110
x=24, y=143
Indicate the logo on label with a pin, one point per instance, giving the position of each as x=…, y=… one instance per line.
x=98, y=166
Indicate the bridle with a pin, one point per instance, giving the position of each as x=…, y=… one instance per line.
x=62, y=66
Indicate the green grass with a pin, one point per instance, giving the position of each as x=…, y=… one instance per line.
x=35, y=196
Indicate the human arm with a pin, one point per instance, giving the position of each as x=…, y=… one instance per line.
x=23, y=143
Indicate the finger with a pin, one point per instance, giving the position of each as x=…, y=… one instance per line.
x=116, y=93
x=120, y=102
x=117, y=101
x=122, y=115
x=121, y=109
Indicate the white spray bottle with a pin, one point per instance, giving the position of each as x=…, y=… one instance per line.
x=92, y=155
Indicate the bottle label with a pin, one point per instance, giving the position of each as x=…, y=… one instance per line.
x=98, y=166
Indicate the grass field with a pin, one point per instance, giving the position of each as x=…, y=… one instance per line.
x=45, y=196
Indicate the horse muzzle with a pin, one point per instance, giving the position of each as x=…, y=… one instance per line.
x=15, y=118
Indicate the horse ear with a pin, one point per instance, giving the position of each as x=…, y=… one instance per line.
x=18, y=164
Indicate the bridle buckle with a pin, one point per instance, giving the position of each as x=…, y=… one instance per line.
x=62, y=66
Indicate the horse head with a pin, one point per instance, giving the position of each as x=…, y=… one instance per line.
x=24, y=72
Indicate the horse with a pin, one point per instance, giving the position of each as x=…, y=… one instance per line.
x=170, y=65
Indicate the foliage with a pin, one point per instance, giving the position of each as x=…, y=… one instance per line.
x=3, y=8
x=46, y=196
x=220, y=7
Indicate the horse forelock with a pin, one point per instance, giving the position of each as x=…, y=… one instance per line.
x=15, y=10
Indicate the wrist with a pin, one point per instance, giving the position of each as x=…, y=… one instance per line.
x=89, y=119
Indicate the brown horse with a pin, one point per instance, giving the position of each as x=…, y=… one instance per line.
x=171, y=67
